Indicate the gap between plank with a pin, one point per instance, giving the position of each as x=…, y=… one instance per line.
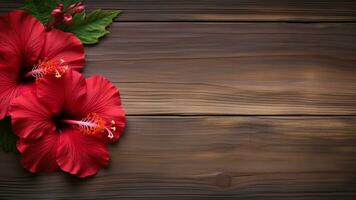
x=240, y=21
x=235, y=115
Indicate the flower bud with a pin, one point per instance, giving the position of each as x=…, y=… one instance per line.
x=56, y=12
x=60, y=6
x=79, y=9
x=68, y=19
x=80, y=4
x=72, y=6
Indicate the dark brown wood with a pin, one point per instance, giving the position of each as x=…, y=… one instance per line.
x=230, y=68
x=220, y=108
x=210, y=157
x=222, y=10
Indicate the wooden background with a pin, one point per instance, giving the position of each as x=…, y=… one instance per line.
x=226, y=99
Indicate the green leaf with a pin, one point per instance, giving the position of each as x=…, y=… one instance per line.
x=7, y=137
x=89, y=28
x=42, y=9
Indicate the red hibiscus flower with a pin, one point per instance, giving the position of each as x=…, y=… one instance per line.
x=27, y=52
x=67, y=122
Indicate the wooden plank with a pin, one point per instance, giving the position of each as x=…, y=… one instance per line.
x=210, y=157
x=230, y=68
x=222, y=10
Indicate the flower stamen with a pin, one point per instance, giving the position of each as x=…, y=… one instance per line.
x=46, y=66
x=93, y=124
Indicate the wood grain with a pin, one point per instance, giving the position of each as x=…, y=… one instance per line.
x=210, y=157
x=230, y=68
x=222, y=10
x=220, y=108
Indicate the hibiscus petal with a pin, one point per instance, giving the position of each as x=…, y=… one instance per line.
x=30, y=118
x=79, y=154
x=23, y=36
x=39, y=155
x=65, y=93
x=22, y=145
x=8, y=91
x=103, y=98
x=64, y=45
x=21, y=40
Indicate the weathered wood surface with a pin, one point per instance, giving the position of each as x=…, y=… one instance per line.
x=210, y=157
x=230, y=68
x=220, y=108
x=222, y=10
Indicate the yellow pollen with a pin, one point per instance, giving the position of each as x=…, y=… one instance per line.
x=58, y=75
